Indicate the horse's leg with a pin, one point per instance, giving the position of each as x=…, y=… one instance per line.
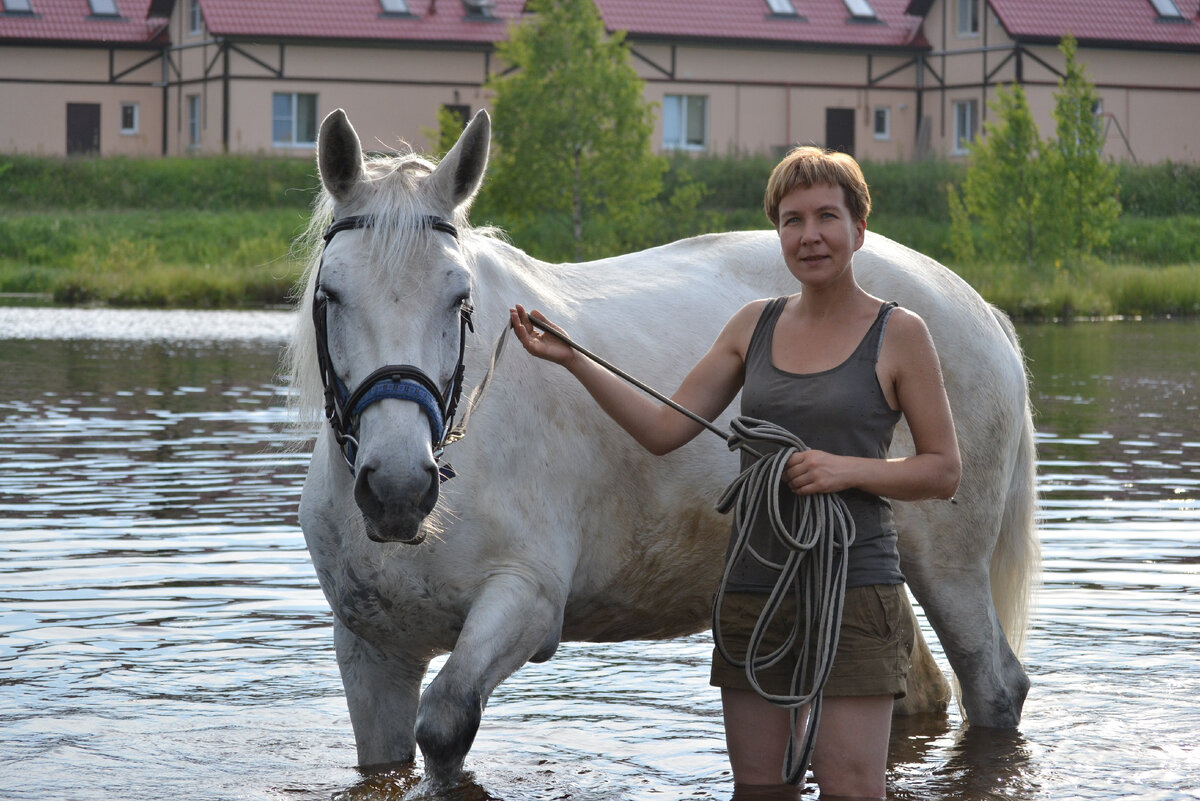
x=929, y=692
x=381, y=692
x=945, y=560
x=512, y=620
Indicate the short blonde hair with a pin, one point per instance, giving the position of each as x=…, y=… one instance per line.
x=813, y=166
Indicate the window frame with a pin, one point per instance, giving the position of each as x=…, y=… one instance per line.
x=962, y=145
x=195, y=18
x=861, y=10
x=194, y=124
x=886, y=134
x=1167, y=10
x=137, y=118
x=973, y=18
x=105, y=12
x=682, y=120
x=293, y=119
x=783, y=8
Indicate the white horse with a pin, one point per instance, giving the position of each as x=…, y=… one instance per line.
x=557, y=526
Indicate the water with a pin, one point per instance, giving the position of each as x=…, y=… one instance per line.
x=162, y=634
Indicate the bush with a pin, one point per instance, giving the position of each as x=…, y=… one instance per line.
x=1159, y=190
x=209, y=183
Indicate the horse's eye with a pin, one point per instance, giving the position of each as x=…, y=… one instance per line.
x=325, y=295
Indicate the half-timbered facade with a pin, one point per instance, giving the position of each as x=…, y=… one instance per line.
x=883, y=79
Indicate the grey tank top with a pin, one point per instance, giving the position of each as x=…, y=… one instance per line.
x=842, y=411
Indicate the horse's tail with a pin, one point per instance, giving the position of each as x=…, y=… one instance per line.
x=1017, y=557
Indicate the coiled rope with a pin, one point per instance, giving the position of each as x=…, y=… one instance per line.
x=817, y=533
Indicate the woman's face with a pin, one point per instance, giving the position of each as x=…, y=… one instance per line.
x=817, y=233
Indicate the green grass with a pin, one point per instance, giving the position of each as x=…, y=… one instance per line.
x=159, y=258
x=218, y=231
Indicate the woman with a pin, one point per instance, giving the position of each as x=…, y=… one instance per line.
x=838, y=368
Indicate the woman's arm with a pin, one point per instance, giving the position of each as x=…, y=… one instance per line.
x=910, y=361
x=707, y=389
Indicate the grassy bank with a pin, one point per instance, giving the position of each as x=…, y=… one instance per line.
x=216, y=232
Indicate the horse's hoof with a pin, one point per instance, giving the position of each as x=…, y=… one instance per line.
x=445, y=732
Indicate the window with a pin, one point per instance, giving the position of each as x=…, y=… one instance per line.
x=395, y=6
x=1167, y=9
x=964, y=125
x=782, y=7
x=195, y=17
x=193, y=120
x=293, y=119
x=129, y=118
x=883, y=122
x=104, y=8
x=860, y=9
x=968, y=17
x=18, y=7
x=685, y=121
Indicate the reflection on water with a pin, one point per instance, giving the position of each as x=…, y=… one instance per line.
x=162, y=633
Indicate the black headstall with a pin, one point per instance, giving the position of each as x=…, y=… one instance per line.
x=399, y=381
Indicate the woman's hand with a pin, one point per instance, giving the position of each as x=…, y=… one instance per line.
x=541, y=344
x=815, y=472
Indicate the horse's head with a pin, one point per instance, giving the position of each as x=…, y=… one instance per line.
x=388, y=294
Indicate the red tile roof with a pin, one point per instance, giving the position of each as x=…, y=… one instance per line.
x=72, y=21
x=431, y=20
x=1105, y=22
x=820, y=22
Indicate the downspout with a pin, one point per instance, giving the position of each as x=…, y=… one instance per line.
x=920, y=102
x=225, y=98
x=166, y=97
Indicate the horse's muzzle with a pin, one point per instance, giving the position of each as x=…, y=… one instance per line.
x=392, y=510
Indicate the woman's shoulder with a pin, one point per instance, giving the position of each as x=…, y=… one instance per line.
x=751, y=312
x=740, y=327
x=906, y=336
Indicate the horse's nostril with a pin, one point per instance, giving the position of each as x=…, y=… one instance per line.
x=429, y=500
x=364, y=495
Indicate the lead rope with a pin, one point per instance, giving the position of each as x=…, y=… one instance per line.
x=817, y=534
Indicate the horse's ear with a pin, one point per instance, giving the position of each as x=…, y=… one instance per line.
x=339, y=155
x=460, y=173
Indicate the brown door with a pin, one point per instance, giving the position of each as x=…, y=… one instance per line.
x=83, y=128
x=839, y=129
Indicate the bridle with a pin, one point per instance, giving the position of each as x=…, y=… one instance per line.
x=400, y=381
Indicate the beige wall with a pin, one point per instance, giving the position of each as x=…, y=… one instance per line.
x=41, y=81
x=758, y=100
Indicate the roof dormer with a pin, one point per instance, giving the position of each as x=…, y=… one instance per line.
x=395, y=8
x=1167, y=10
x=104, y=8
x=861, y=11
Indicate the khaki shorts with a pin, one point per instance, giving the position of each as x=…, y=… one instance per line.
x=874, y=650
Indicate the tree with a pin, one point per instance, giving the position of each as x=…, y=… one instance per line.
x=572, y=129
x=1039, y=201
x=1003, y=185
x=1083, y=187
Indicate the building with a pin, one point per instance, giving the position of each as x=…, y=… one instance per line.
x=883, y=79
